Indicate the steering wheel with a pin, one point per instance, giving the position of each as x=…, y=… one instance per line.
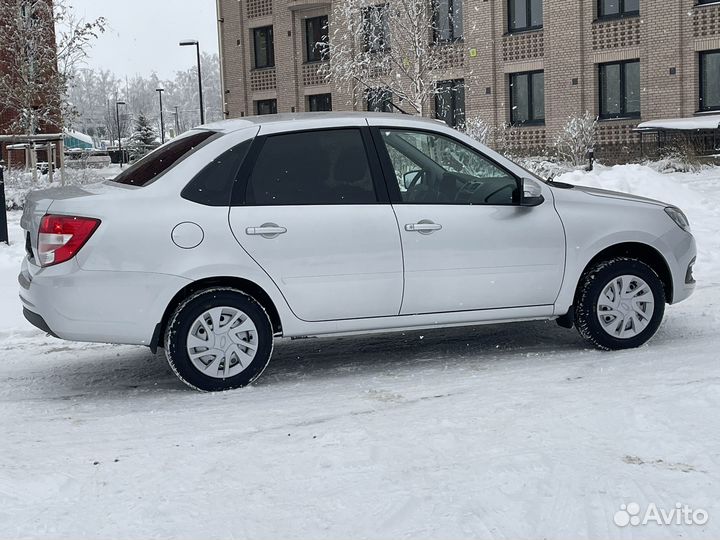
x=503, y=188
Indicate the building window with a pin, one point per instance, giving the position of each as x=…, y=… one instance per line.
x=375, y=28
x=525, y=15
x=450, y=102
x=320, y=102
x=379, y=100
x=620, y=90
x=448, y=20
x=611, y=9
x=710, y=81
x=263, y=47
x=527, y=98
x=316, y=39
x=266, y=106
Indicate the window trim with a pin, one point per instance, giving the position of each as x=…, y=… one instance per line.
x=308, y=47
x=239, y=192
x=529, y=27
x=623, y=112
x=701, y=77
x=271, y=48
x=532, y=121
x=388, y=171
x=622, y=14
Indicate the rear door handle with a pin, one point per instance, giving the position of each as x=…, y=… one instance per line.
x=266, y=230
x=424, y=226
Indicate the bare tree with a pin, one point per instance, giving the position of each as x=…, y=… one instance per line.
x=401, y=47
x=42, y=44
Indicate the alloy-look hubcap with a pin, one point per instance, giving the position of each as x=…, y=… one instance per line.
x=625, y=306
x=222, y=342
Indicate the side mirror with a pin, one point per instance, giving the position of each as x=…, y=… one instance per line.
x=531, y=193
x=409, y=178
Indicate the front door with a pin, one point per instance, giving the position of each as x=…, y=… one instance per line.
x=313, y=220
x=467, y=243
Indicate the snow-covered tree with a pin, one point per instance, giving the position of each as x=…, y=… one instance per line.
x=401, y=47
x=478, y=129
x=42, y=43
x=576, y=139
x=144, y=138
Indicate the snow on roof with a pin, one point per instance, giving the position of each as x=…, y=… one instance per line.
x=711, y=121
x=80, y=136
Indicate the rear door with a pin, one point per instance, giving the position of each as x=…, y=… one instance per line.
x=315, y=214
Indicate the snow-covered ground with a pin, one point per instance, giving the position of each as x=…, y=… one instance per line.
x=514, y=431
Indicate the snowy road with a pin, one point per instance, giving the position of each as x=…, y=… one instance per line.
x=514, y=431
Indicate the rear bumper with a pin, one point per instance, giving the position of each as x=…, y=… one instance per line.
x=38, y=322
x=94, y=306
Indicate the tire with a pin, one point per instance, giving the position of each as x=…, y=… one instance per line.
x=612, y=321
x=225, y=324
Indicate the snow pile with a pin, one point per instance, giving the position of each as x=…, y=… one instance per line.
x=19, y=183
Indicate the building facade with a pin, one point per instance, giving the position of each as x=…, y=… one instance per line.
x=531, y=64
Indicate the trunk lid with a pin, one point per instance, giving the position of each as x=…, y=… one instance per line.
x=39, y=203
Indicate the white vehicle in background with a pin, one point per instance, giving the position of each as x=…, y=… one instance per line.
x=296, y=225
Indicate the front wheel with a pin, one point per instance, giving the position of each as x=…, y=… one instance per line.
x=620, y=304
x=219, y=339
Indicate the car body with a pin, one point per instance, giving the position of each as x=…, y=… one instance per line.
x=390, y=238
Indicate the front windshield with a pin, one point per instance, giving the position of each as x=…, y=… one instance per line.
x=159, y=161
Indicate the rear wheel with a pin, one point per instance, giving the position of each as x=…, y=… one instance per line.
x=219, y=339
x=620, y=304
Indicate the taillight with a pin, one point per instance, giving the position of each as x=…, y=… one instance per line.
x=61, y=237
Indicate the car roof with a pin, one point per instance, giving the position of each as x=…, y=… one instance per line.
x=313, y=118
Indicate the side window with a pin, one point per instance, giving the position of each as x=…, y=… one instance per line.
x=213, y=185
x=312, y=168
x=434, y=169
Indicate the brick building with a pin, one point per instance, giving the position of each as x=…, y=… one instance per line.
x=39, y=23
x=532, y=63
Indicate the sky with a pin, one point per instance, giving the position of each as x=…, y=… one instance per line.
x=143, y=35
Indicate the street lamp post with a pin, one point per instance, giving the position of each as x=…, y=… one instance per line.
x=162, y=118
x=3, y=214
x=190, y=42
x=117, y=117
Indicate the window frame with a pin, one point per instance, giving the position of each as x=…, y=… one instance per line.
x=701, y=94
x=528, y=10
x=380, y=91
x=322, y=54
x=382, y=10
x=623, y=98
x=388, y=170
x=257, y=102
x=456, y=84
x=531, y=77
x=315, y=96
x=451, y=22
x=240, y=188
x=270, y=50
x=621, y=14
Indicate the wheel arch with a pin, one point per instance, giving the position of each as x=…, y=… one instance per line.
x=244, y=285
x=640, y=251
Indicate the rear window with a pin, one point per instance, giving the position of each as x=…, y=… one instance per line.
x=159, y=161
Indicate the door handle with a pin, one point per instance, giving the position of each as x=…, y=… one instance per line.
x=424, y=226
x=266, y=230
